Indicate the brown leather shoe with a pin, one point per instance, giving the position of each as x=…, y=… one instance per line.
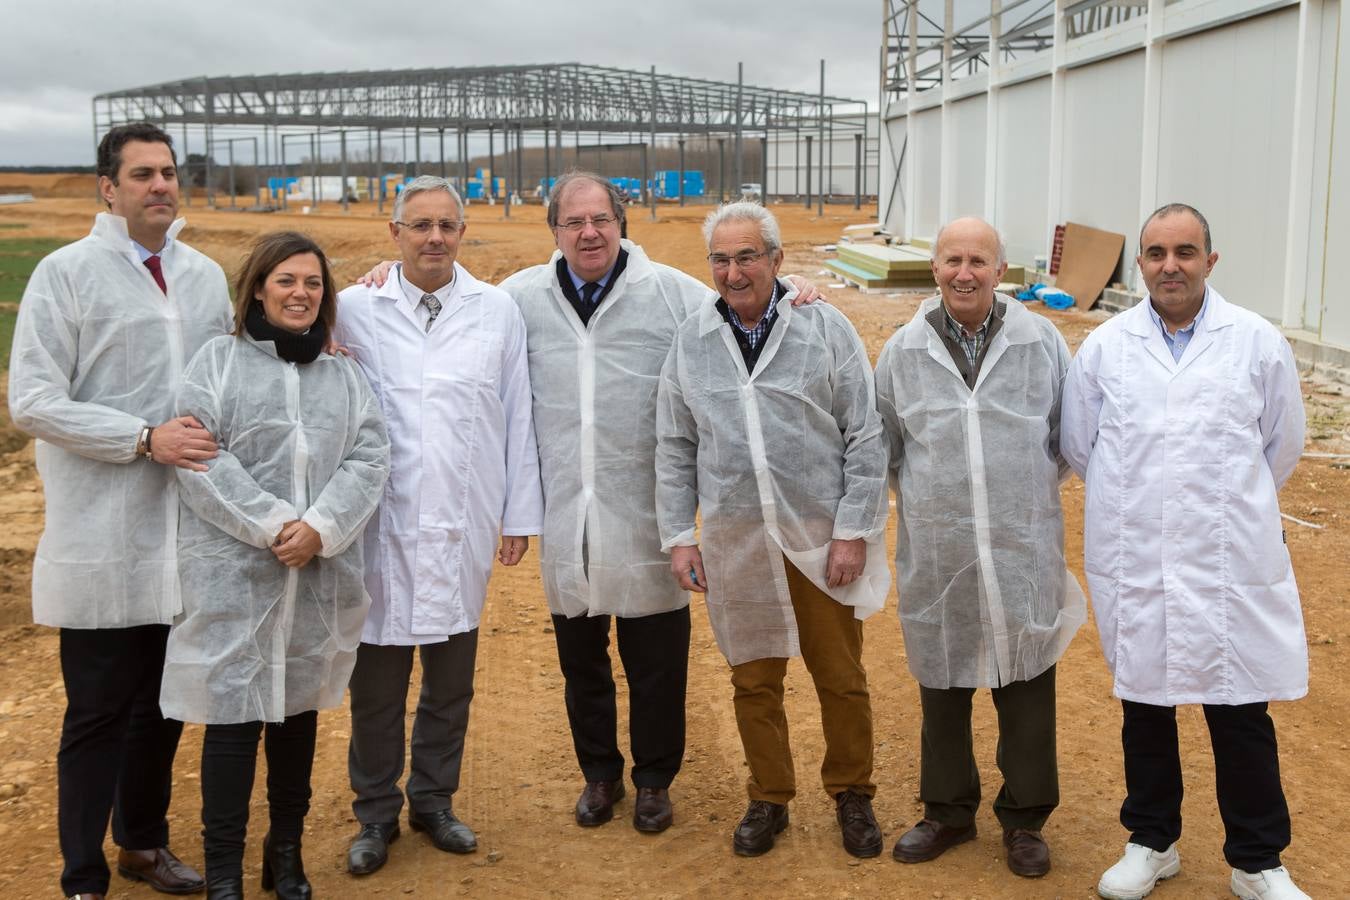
x=1028, y=854
x=929, y=840
x=651, y=811
x=160, y=869
x=857, y=822
x=762, y=820
x=595, y=806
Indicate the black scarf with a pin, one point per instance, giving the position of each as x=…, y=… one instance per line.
x=292, y=347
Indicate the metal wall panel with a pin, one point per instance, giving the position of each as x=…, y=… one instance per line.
x=967, y=133
x=1103, y=106
x=1226, y=114
x=1021, y=189
x=1335, y=319
x=925, y=143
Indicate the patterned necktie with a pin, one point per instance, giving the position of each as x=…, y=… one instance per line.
x=589, y=291
x=433, y=306
x=157, y=272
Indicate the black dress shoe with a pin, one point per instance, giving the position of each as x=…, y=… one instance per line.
x=857, y=822
x=595, y=806
x=225, y=889
x=1028, y=854
x=160, y=869
x=762, y=820
x=446, y=832
x=370, y=848
x=283, y=870
x=929, y=840
x=652, y=813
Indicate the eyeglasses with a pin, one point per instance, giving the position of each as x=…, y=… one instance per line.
x=744, y=260
x=424, y=226
x=596, y=222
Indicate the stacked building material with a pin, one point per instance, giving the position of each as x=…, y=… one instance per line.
x=876, y=268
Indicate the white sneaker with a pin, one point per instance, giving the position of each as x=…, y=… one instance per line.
x=1272, y=884
x=1138, y=871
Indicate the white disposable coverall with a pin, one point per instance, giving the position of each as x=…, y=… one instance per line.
x=99, y=353
x=1191, y=582
x=464, y=469
x=781, y=462
x=595, y=414
x=985, y=598
x=259, y=641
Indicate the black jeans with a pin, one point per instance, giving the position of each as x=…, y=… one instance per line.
x=116, y=753
x=229, y=760
x=655, y=654
x=1247, y=780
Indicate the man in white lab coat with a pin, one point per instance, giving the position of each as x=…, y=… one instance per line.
x=1184, y=417
x=969, y=392
x=106, y=326
x=600, y=316
x=445, y=354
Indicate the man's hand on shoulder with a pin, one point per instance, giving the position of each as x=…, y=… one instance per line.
x=377, y=276
x=182, y=442
x=807, y=292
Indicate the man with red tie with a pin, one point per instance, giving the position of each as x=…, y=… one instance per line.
x=105, y=328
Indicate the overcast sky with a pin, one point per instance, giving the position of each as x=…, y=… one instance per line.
x=60, y=53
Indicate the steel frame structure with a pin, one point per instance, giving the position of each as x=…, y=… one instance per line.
x=528, y=105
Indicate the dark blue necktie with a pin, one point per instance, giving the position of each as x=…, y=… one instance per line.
x=590, y=291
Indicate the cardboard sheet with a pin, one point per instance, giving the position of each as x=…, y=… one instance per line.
x=1089, y=261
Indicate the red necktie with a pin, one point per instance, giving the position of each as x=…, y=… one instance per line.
x=152, y=263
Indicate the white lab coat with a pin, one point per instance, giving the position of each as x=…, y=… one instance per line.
x=99, y=352
x=464, y=468
x=781, y=462
x=985, y=599
x=595, y=414
x=1191, y=582
x=259, y=641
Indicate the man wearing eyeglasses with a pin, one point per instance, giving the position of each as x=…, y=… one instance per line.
x=600, y=316
x=446, y=356
x=767, y=426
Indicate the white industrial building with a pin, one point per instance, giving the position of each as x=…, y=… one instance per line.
x=1033, y=113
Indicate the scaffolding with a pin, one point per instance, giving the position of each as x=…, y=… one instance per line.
x=529, y=108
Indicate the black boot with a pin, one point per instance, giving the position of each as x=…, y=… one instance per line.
x=284, y=870
x=225, y=888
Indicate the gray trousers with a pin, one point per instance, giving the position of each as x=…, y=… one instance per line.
x=379, y=694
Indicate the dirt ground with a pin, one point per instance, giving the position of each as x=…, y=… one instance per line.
x=520, y=778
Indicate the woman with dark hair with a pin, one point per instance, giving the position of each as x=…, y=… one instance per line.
x=268, y=553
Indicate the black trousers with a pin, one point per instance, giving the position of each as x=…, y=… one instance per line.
x=1247, y=780
x=116, y=752
x=949, y=782
x=229, y=761
x=379, y=694
x=655, y=654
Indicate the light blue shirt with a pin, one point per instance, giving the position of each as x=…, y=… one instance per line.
x=145, y=254
x=578, y=282
x=1178, y=342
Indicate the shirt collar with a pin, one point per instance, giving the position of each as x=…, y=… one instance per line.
x=769, y=313
x=960, y=329
x=578, y=282
x=413, y=293
x=145, y=254
x=1189, y=329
